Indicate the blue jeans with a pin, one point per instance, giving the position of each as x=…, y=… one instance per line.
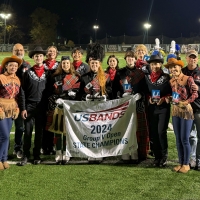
x=197, y=123
x=182, y=129
x=5, y=127
x=19, y=129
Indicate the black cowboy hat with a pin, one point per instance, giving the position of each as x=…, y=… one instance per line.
x=37, y=50
x=155, y=58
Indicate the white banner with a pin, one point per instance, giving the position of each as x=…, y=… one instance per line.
x=100, y=129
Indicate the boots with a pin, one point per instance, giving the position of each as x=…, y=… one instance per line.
x=58, y=157
x=65, y=159
x=6, y=165
x=184, y=169
x=1, y=166
x=177, y=168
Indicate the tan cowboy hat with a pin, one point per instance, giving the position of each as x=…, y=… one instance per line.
x=37, y=50
x=174, y=61
x=13, y=58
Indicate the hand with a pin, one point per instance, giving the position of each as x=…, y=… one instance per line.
x=150, y=101
x=24, y=114
x=194, y=87
x=168, y=99
x=160, y=101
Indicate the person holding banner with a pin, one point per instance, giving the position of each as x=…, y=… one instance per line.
x=95, y=85
x=117, y=89
x=158, y=110
x=66, y=82
x=182, y=113
x=133, y=82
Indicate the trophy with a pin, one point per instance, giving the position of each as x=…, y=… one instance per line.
x=175, y=98
x=155, y=96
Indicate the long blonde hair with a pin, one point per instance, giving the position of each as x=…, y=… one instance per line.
x=102, y=79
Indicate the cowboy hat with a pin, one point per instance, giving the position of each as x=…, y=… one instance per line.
x=174, y=61
x=37, y=50
x=155, y=58
x=12, y=58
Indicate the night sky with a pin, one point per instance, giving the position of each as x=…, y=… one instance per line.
x=172, y=18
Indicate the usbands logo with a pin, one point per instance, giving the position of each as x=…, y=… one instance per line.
x=103, y=115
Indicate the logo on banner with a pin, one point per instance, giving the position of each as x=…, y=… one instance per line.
x=104, y=115
x=175, y=98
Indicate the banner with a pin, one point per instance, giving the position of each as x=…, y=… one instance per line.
x=100, y=129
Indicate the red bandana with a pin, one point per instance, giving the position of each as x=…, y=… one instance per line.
x=112, y=73
x=77, y=64
x=50, y=63
x=155, y=76
x=139, y=63
x=38, y=70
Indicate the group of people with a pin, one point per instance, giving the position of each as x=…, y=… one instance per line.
x=28, y=96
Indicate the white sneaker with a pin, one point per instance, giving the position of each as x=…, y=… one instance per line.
x=65, y=159
x=58, y=157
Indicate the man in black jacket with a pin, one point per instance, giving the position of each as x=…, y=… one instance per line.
x=192, y=69
x=18, y=50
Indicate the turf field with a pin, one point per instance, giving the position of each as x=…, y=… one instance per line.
x=107, y=181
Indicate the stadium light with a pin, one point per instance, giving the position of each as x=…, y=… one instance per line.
x=5, y=17
x=95, y=27
x=147, y=26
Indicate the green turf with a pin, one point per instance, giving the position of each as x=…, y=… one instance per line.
x=99, y=182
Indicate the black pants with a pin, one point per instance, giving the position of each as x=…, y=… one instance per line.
x=158, y=124
x=36, y=116
x=47, y=141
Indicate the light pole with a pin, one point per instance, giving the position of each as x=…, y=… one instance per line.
x=147, y=26
x=5, y=17
x=95, y=27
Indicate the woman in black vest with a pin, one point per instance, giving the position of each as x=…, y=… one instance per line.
x=158, y=110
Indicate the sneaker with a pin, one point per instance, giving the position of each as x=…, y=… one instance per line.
x=192, y=163
x=156, y=163
x=163, y=162
x=23, y=161
x=18, y=153
x=37, y=160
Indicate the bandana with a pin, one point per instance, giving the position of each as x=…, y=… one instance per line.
x=139, y=63
x=112, y=73
x=50, y=63
x=155, y=76
x=38, y=70
x=77, y=64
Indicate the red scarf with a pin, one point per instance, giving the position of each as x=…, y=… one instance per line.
x=77, y=64
x=112, y=73
x=139, y=63
x=39, y=70
x=155, y=76
x=50, y=63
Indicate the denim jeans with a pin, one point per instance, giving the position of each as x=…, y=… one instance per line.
x=197, y=124
x=182, y=129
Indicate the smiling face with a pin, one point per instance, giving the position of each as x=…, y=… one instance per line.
x=130, y=61
x=18, y=50
x=12, y=67
x=192, y=61
x=77, y=56
x=155, y=67
x=140, y=53
x=51, y=53
x=66, y=66
x=112, y=63
x=94, y=65
x=175, y=70
x=38, y=59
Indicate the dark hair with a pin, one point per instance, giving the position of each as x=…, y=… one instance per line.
x=59, y=70
x=77, y=49
x=112, y=56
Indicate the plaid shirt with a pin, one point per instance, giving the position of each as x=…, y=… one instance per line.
x=9, y=86
x=185, y=91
